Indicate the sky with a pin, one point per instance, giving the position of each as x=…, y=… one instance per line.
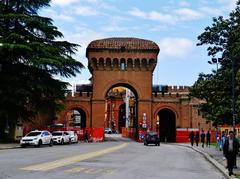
x=173, y=24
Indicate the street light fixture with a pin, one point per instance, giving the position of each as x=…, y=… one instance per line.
x=215, y=61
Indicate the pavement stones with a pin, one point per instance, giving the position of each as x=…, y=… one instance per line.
x=215, y=156
x=4, y=146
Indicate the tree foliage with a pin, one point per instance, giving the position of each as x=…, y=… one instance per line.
x=31, y=54
x=223, y=40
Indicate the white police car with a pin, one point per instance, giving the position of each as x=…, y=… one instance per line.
x=37, y=138
x=61, y=137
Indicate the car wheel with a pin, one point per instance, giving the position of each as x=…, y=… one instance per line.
x=62, y=141
x=39, y=143
x=23, y=146
x=51, y=143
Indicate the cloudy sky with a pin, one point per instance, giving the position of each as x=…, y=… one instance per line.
x=173, y=24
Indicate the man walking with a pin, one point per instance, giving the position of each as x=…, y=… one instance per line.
x=202, y=138
x=191, y=137
x=230, y=150
x=208, y=136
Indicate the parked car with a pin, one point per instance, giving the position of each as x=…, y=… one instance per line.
x=108, y=131
x=37, y=138
x=73, y=136
x=60, y=137
x=152, y=138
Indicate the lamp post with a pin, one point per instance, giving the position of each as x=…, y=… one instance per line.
x=215, y=61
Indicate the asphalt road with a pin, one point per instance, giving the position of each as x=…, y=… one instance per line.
x=108, y=160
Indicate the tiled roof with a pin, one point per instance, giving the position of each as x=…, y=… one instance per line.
x=123, y=43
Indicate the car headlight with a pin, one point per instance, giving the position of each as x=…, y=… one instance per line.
x=35, y=138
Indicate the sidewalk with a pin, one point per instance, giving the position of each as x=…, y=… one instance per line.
x=4, y=146
x=215, y=156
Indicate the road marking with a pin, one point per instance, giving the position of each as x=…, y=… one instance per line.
x=71, y=160
x=108, y=171
x=89, y=170
x=75, y=170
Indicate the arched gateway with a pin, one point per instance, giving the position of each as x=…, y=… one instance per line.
x=127, y=61
x=121, y=93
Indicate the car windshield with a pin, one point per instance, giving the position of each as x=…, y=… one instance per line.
x=33, y=134
x=152, y=134
x=57, y=133
x=70, y=132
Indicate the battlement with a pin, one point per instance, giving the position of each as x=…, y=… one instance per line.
x=80, y=94
x=178, y=88
x=169, y=89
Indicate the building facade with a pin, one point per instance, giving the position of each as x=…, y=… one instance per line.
x=121, y=93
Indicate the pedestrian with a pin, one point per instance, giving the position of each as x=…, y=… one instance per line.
x=208, y=136
x=222, y=140
x=191, y=137
x=218, y=140
x=230, y=150
x=197, y=138
x=202, y=138
x=235, y=159
x=86, y=136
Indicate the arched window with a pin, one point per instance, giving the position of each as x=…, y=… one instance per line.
x=122, y=65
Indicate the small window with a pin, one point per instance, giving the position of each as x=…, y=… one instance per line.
x=122, y=66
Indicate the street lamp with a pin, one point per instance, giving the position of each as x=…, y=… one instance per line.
x=215, y=61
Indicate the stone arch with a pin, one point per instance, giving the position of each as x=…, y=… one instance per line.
x=108, y=63
x=167, y=124
x=93, y=63
x=137, y=63
x=101, y=63
x=131, y=85
x=130, y=64
x=115, y=63
x=117, y=120
x=151, y=63
x=144, y=64
x=122, y=64
x=64, y=116
x=167, y=107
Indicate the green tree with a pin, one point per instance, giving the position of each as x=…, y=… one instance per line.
x=31, y=54
x=223, y=40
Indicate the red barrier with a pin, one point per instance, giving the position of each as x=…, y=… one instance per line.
x=97, y=134
x=182, y=135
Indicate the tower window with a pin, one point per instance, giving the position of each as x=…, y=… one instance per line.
x=122, y=66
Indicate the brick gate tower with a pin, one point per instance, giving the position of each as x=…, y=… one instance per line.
x=127, y=62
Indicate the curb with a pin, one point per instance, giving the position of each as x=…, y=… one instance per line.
x=210, y=159
x=6, y=148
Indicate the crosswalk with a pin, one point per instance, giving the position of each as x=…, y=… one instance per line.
x=91, y=170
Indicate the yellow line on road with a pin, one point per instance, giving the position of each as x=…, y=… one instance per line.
x=71, y=160
x=75, y=170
